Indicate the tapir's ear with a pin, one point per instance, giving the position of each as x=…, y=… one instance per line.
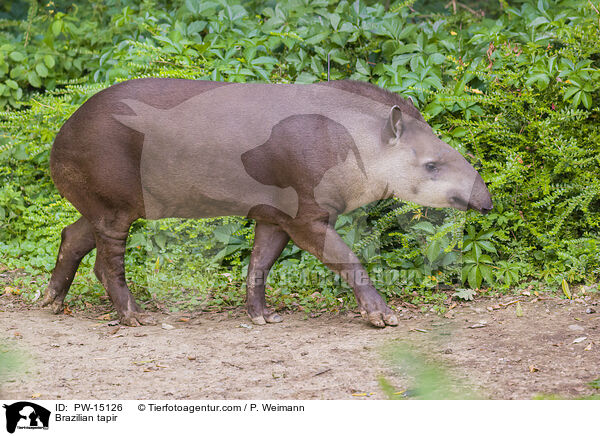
x=393, y=126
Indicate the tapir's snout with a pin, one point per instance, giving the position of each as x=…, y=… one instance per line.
x=478, y=198
x=481, y=199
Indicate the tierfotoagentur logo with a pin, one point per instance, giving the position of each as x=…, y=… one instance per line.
x=26, y=415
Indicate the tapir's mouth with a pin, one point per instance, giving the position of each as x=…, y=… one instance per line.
x=459, y=203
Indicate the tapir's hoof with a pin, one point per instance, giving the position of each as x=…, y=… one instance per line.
x=273, y=318
x=270, y=317
x=136, y=319
x=52, y=299
x=379, y=319
x=49, y=296
x=57, y=307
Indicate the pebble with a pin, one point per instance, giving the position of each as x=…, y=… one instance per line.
x=576, y=328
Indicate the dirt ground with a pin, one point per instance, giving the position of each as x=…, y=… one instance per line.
x=485, y=345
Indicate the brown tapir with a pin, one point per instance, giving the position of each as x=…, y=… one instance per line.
x=290, y=157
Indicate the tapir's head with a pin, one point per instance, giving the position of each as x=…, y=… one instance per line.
x=419, y=167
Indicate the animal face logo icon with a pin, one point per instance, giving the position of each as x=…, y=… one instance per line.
x=24, y=414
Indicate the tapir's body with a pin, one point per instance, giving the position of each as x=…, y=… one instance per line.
x=292, y=157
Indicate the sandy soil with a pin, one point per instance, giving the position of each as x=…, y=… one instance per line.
x=485, y=346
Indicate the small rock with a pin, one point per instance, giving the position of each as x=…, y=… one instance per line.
x=167, y=326
x=112, y=323
x=478, y=325
x=578, y=340
x=576, y=328
x=246, y=326
x=590, y=310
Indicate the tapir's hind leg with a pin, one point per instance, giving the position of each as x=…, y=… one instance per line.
x=111, y=236
x=269, y=242
x=77, y=240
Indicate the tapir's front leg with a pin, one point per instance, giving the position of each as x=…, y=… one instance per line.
x=269, y=242
x=320, y=239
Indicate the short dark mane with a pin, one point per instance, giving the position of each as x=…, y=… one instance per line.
x=376, y=93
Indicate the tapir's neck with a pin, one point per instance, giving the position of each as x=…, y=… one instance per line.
x=351, y=185
x=364, y=190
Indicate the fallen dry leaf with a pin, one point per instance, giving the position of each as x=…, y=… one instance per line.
x=478, y=325
x=588, y=347
x=519, y=310
x=10, y=290
x=533, y=368
x=580, y=339
x=36, y=395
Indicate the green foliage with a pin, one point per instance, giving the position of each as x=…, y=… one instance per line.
x=516, y=90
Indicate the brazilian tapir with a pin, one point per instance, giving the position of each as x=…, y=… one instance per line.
x=290, y=157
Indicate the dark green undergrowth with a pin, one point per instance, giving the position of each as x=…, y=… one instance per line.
x=514, y=87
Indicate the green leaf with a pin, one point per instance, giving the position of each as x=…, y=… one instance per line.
x=17, y=56
x=586, y=99
x=433, y=251
x=465, y=294
x=425, y=226
x=437, y=58
x=459, y=132
x=20, y=153
x=362, y=67
x=305, y=77
x=566, y=290
x=57, y=27
x=41, y=70
x=569, y=92
x=487, y=245
x=12, y=84
x=335, y=20
x=269, y=60
x=474, y=277
x=34, y=79
x=49, y=61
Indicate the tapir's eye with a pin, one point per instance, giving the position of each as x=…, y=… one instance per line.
x=431, y=167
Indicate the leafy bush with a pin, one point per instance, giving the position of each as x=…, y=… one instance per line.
x=515, y=89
